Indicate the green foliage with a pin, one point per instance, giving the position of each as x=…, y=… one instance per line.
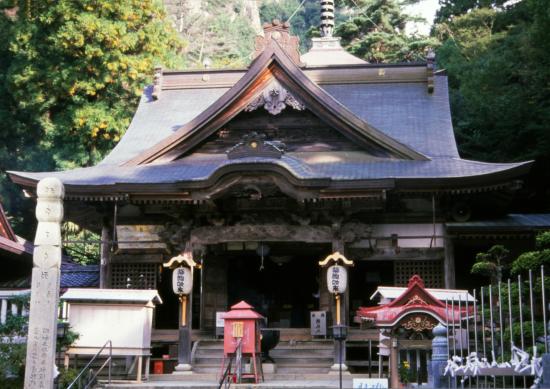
x=220, y=31
x=78, y=68
x=533, y=260
x=13, y=352
x=451, y=8
x=66, y=377
x=78, y=248
x=491, y=263
x=499, y=69
x=376, y=33
x=406, y=374
x=71, y=75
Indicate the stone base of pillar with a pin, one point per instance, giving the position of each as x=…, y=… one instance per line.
x=183, y=368
x=335, y=369
x=545, y=371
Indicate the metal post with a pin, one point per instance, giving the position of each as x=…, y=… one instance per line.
x=544, y=307
x=483, y=327
x=501, y=321
x=532, y=313
x=340, y=360
x=475, y=332
x=521, y=321
x=510, y=324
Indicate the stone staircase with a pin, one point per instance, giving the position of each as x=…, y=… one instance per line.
x=291, y=357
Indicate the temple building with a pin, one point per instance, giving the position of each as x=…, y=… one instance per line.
x=260, y=173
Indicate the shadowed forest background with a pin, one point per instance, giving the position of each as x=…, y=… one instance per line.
x=72, y=72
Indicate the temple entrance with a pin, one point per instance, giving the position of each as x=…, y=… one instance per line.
x=284, y=286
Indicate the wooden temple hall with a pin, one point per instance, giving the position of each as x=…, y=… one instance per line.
x=261, y=173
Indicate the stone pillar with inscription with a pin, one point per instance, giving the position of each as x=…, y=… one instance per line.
x=42, y=333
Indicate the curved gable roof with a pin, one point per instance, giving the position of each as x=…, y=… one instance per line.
x=272, y=64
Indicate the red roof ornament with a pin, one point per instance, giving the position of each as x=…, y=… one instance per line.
x=242, y=310
x=414, y=300
x=416, y=279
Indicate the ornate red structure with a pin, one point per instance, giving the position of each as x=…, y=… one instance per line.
x=242, y=329
x=415, y=309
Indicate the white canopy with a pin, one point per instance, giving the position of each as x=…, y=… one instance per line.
x=130, y=296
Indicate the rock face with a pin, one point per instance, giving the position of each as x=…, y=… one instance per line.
x=199, y=21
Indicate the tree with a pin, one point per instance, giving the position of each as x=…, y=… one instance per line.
x=451, y=8
x=491, y=263
x=376, y=32
x=78, y=68
x=533, y=260
x=498, y=62
x=222, y=32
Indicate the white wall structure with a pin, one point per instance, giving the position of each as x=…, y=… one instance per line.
x=123, y=316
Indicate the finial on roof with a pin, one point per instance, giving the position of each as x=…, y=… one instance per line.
x=278, y=32
x=327, y=18
x=157, y=82
x=430, y=69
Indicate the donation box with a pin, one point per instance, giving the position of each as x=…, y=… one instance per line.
x=241, y=322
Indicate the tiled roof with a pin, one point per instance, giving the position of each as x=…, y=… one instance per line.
x=337, y=166
x=72, y=276
x=404, y=111
x=79, y=276
x=514, y=221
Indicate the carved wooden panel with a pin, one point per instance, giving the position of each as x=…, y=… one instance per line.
x=430, y=271
x=134, y=276
x=297, y=130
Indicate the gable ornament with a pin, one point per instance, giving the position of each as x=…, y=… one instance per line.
x=274, y=99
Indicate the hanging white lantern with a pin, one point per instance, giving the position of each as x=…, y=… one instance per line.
x=182, y=280
x=337, y=279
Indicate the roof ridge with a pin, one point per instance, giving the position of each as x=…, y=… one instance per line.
x=272, y=63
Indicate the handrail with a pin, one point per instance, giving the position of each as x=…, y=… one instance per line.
x=237, y=355
x=85, y=368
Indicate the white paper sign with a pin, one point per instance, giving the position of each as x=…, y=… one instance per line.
x=368, y=383
x=182, y=280
x=337, y=279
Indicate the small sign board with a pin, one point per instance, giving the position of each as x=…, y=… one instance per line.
x=370, y=383
x=318, y=323
x=219, y=323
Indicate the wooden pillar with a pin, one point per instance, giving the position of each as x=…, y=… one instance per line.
x=394, y=367
x=338, y=245
x=105, y=259
x=449, y=263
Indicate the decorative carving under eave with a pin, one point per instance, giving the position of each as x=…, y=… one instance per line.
x=255, y=145
x=416, y=300
x=419, y=323
x=275, y=33
x=274, y=99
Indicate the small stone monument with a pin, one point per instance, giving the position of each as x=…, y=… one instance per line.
x=440, y=355
x=41, y=338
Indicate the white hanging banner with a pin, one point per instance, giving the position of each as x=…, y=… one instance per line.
x=337, y=279
x=182, y=280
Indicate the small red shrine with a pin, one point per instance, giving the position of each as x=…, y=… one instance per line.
x=242, y=339
x=416, y=309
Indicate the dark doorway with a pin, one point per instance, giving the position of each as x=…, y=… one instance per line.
x=285, y=290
